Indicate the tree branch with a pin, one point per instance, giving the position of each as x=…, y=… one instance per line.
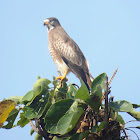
x=33, y=126
x=40, y=130
x=106, y=100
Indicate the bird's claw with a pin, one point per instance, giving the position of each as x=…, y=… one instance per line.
x=61, y=78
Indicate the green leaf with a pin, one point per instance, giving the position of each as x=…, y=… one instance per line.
x=30, y=96
x=82, y=92
x=122, y=106
x=116, y=116
x=60, y=91
x=43, y=82
x=94, y=129
x=39, y=88
x=135, y=114
x=11, y=119
x=102, y=126
x=32, y=131
x=23, y=120
x=49, y=102
x=55, y=82
x=16, y=99
x=56, y=111
x=135, y=105
x=100, y=80
x=79, y=136
x=36, y=108
x=69, y=120
x=71, y=91
x=59, y=138
x=38, y=137
x=120, y=119
x=95, y=99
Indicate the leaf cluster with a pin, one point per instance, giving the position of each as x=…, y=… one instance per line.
x=63, y=112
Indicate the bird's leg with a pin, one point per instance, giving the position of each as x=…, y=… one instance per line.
x=61, y=78
x=59, y=72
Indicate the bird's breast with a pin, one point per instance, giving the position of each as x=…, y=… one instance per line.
x=58, y=60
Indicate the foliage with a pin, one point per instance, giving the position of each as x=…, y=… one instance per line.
x=6, y=107
x=63, y=112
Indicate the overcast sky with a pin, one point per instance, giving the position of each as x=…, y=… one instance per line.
x=107, y=31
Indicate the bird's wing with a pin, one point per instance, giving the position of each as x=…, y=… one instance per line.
x=67, y=49
x=71, y=54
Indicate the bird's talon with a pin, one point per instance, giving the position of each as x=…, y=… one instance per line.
x=65, y=79
x=61, y=78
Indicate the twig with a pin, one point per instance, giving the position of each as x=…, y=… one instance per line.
x=133, y=132
x=103, y=96
x=106, y=100
x=33, y=126
x=131, y=127
x=132, y=121
x=76, y=86
x=124, y=132
x=37, y=125
x=40, y=130
x=113, y=76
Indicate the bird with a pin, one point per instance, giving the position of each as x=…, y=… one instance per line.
x=65, y=53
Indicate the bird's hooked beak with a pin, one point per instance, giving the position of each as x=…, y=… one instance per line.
x=46, y=21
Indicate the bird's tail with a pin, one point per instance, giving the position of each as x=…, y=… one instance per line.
x=89, y=79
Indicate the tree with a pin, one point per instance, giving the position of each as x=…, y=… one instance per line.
x=67, y=112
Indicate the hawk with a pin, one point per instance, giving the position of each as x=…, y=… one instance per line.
x=65, y=52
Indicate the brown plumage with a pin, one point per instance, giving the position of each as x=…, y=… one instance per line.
x=66, y=53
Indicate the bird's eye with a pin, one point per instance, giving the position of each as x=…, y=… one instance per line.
x=52, y=22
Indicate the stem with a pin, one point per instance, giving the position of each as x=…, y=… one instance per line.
x=40, y=130
x=133, y=132
x=33, y=126
x=113, y=76
x=106, y=100
x=131, y=121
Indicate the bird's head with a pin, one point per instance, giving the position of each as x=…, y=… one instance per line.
x=51, y=23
